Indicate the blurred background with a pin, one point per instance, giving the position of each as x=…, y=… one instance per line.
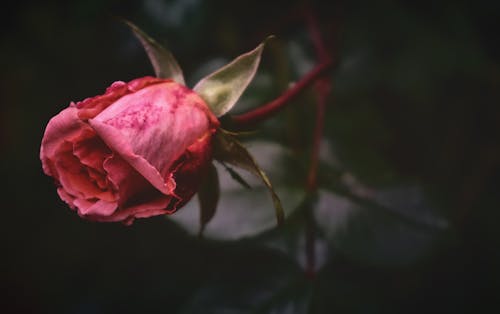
x=407, y=212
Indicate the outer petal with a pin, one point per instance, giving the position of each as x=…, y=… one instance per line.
x=152, y=127
x=151, y=208
x=92, y=106
x=63, y=127
x=132, y=187
x=121, y=144
x=191, y=169
x=138, y=198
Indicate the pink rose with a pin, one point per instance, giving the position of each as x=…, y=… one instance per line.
x=137, y=151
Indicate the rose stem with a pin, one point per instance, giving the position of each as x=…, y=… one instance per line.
x=322, y=88
x=266, y=111
x=322, y=91
x=257, y=115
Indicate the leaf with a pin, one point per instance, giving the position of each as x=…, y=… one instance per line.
x=291, y=241
x=236, y=176
x=244, y=213
x=164, y=63
x=208, y=196
x=222, y=88
x=228, y=149
x=261, y=281
x=397, y=226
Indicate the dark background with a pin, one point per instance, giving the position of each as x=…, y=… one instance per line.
x=416, y=95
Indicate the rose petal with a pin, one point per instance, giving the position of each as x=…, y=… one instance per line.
x=95, y=208
x=190, y=170
x=130, y=184
x=151, y=128
x=64, y=126
x=119, y=143
x=92, y=152
x=66, y=197
x=151, y=208
x=92, y=106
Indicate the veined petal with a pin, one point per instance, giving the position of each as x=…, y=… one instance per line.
x=153, y=127
x=121, y=144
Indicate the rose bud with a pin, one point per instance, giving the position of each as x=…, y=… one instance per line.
x=137, y=151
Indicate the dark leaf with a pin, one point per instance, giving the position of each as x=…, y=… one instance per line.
x=246, y=213
x=228, y=149
x=256, y=283
x=208, y=196
x=397, y=226
x=236, y=176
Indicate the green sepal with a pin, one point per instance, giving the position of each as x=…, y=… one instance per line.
x=222, y=88
x=236, y=176
x=164, y=63
x=228, y=149
x=208, y=197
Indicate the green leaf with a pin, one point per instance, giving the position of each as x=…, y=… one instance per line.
x=208, y=196
x=261, y=281
x=228, y=149
x=236, y=176
x=397, y=226
x=164, y=63
x=222, y=88
x=244, y=213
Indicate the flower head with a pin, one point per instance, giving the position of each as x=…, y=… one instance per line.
x=137, y=151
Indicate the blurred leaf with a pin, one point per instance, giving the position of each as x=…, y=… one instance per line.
x=291, y=239
x=163, y=61
x=253, y=285
x=208, y=196
x=396, y=226
x=242, y=212
x=228, y=149
x=222, y=88
x=236, y=176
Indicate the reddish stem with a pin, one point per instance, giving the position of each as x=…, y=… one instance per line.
x=323, y=88
x=259, y=114
x=316, y=38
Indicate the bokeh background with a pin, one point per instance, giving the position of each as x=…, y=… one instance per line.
x=408, y=209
